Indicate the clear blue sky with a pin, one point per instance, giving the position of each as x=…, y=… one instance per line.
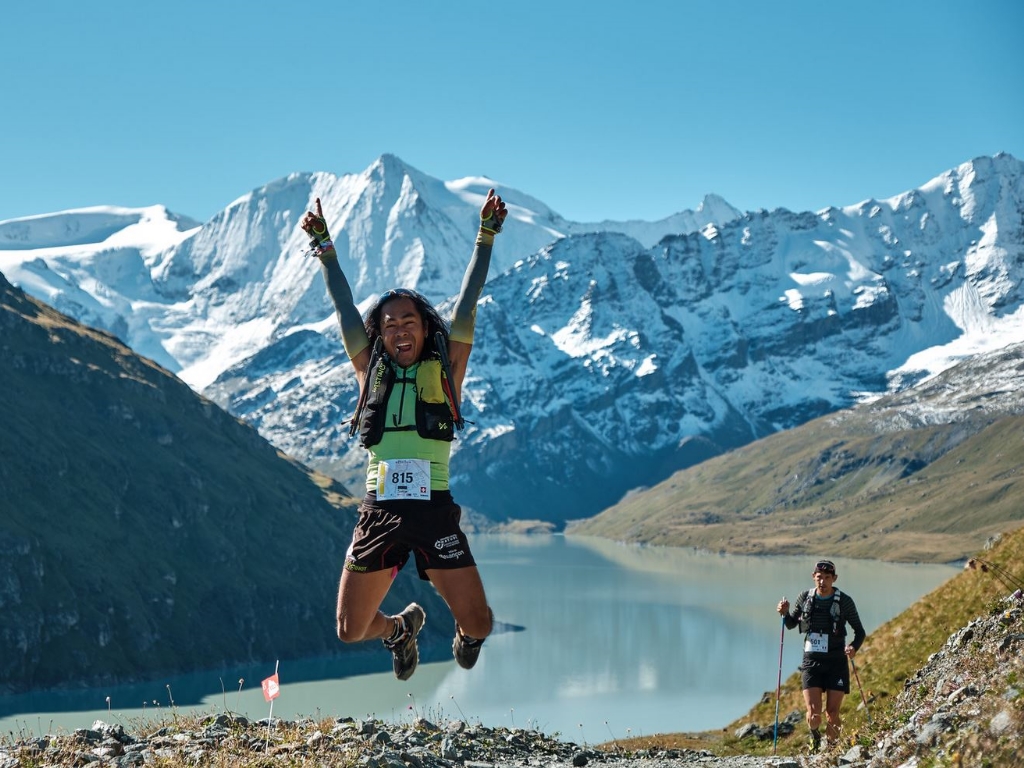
x=602, y=110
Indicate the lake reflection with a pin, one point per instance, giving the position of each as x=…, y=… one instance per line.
x=619, y=641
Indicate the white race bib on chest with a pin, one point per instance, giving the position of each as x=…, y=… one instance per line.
x=403, y=479
x=816, y=642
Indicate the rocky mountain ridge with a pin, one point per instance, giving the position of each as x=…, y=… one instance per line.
x=890, y=479
x=607, y=356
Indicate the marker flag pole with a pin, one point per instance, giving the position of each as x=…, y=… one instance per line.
x=271, y=690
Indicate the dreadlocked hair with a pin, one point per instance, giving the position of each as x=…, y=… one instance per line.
x=432, y=321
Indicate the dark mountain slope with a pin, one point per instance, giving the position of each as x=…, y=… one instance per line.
x=144, y=530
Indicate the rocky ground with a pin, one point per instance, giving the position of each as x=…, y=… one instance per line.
x=231, y=740
x=963, y=708
x=966, y=705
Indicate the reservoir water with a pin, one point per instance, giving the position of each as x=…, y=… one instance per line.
x=616, y=641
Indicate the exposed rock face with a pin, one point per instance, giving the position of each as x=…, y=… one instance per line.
x=968, y=700
x=602, y=350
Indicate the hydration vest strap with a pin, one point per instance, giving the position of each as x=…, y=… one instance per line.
x=446, y=380
x=375, y=354
x=810, y=601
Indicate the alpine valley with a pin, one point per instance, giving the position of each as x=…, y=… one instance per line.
x=607, y=355
x=175, y=462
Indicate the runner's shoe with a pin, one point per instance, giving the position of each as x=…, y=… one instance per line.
x=466, y=649
x=405, y=651
x=815, y=741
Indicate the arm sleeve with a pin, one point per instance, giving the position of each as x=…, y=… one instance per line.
x=353, y=334
x=851, y=617
x=464, y=314
x=796, y=610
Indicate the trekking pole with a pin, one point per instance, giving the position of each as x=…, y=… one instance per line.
x=861, y=689
x=778, y=686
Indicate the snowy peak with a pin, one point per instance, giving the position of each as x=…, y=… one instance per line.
x=712, y=210
x=607, y=355
x=149, y=227
x=715, y=208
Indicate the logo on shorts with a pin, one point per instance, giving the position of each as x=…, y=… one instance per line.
x=446, y=542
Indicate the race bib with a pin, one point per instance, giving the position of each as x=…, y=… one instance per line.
x=403, y=479
x=816, y=642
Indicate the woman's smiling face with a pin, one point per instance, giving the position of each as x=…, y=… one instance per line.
x=401, y=327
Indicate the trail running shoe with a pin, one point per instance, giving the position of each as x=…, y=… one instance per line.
x=404, y=650
x=466, y=649
x=815, y=741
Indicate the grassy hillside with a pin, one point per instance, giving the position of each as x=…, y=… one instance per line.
x=878, y=481
x=145, y=531
x=895, y=651
x=890, y=656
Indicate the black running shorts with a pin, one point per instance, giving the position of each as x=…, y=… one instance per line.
x=830, y=673
x=388, y=531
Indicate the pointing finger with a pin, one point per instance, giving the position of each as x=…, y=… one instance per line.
x=319, y=210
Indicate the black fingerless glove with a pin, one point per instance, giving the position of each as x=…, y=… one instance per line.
x=489, y=227
x=320, y=243
x=492, y=224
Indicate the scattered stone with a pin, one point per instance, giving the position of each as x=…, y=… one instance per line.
x=368, y=744
x=964, y=701
x=746, y=730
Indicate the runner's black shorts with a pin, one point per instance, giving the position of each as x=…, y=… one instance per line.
x=830, y=673
x=388, y=531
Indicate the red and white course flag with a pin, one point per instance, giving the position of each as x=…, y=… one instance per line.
x=271, y=688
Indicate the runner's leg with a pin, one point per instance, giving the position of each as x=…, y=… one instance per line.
x=833, y=704
x=812, y=698
x=463, y=591
x=359, y=599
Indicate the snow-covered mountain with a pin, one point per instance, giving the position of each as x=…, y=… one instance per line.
x=607, y=355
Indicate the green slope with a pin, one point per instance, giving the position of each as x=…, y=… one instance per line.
x=876, y=481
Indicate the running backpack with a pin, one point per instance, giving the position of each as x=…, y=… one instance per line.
x=808, y=610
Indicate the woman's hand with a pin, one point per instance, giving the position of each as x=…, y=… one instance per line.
x=492, y=214
x=314, y=225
